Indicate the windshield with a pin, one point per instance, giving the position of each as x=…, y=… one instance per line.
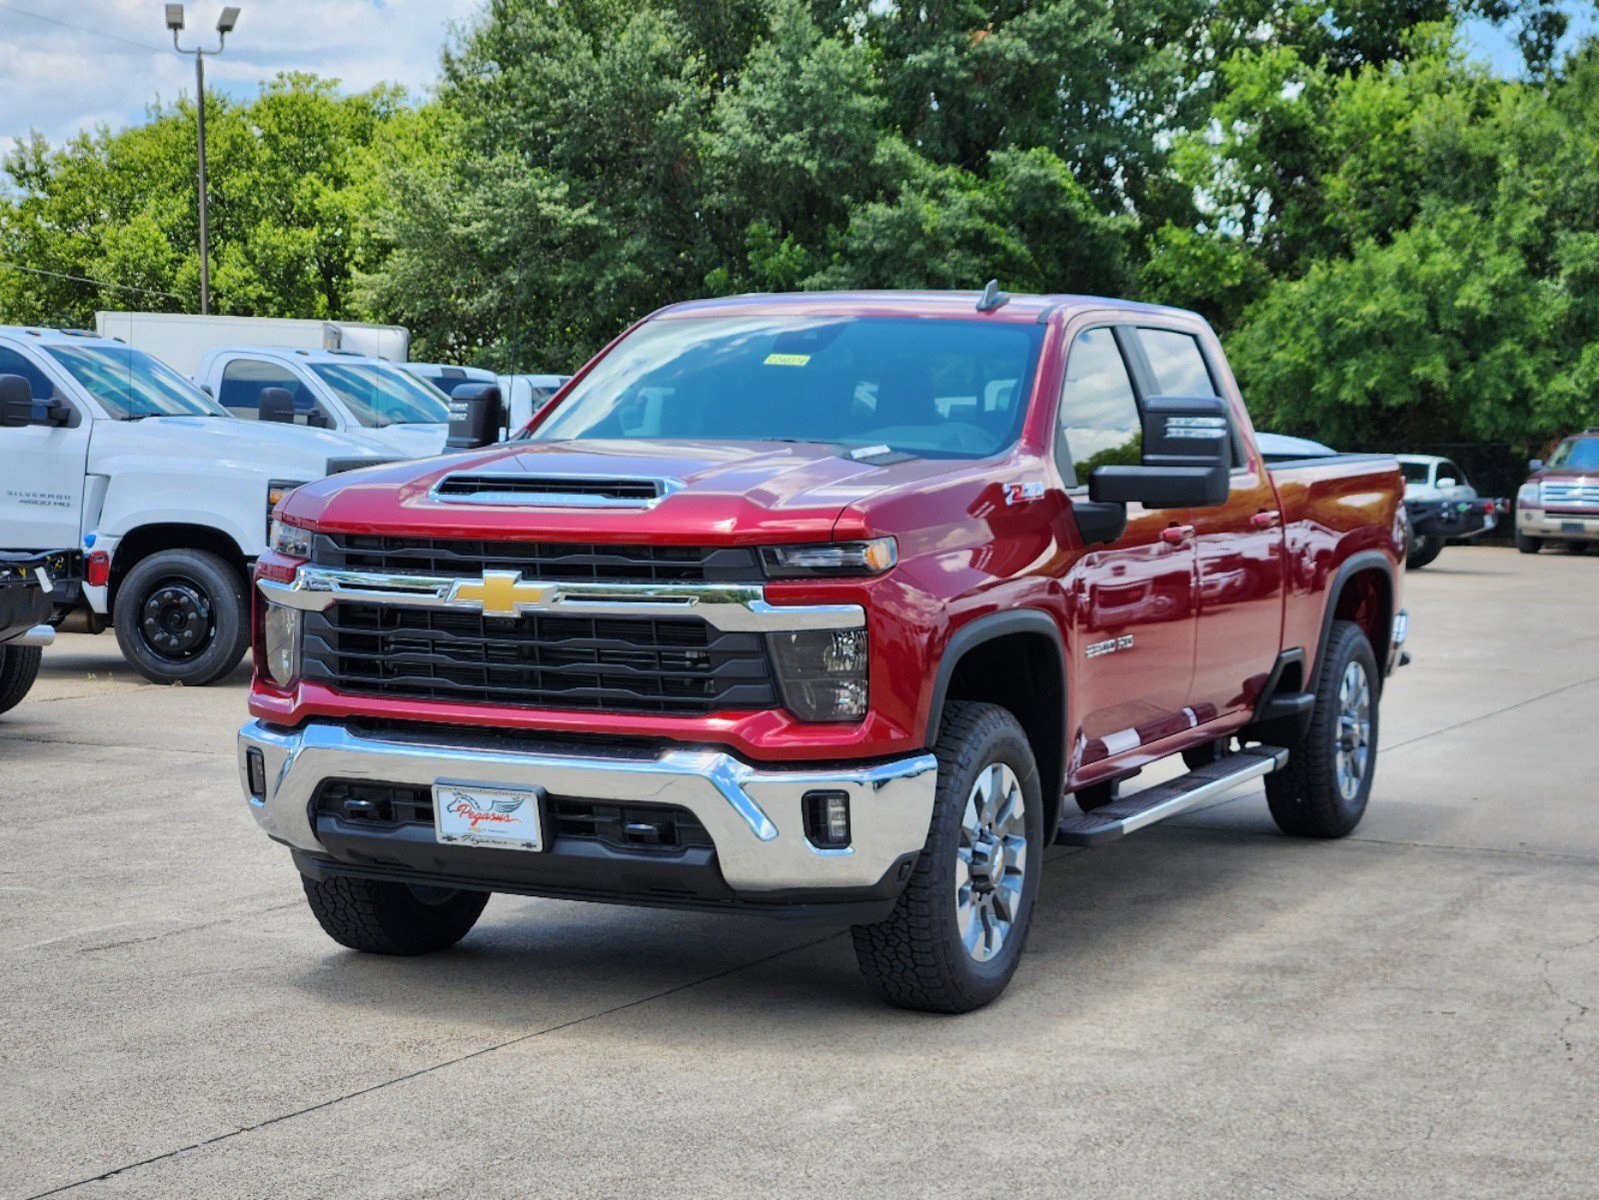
x=131, y=384
x=379, y=396
x=1581, y=453
x=934, y=388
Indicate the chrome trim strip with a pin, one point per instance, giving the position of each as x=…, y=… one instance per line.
x=753, y=814
x=664, y=487
x=730, y=607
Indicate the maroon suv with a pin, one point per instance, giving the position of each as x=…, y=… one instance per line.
x=1561, y=499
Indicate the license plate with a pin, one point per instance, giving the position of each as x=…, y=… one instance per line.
x=1571, y=527
x=469, y=814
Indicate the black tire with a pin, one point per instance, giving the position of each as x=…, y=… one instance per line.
x=916, y=958
x=392, y=918
x=19, y=667
x=1576, y=547
x=1528, y=545
x=1423, y=550
x=1305, y=797
x=183, y=616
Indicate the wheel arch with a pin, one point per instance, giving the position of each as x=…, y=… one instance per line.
x=141, y=542
x=1362, y=591
x=1021, y=668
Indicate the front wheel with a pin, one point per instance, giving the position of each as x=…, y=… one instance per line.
x=182, y=616
x=19, y=667
x=955, y=937
x=1528, y=545
x=1322, y=792
x=392, y=918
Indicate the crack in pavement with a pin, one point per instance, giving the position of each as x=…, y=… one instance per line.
x=438, y=1066
x=1582, y=1010
x=144, y=749
x=1422, y=737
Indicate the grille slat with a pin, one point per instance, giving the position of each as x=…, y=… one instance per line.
x=546, y=562
x=650, y=665
x=1578, y=494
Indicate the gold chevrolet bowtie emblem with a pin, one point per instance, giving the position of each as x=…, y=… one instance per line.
x=501, y=593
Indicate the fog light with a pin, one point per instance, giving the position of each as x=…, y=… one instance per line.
x=823, y=673
x=281, y=648
x=827, y=819
x=255, y=769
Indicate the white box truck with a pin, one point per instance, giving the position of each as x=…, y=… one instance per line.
x=181, y=340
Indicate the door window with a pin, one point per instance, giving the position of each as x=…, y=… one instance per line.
x=1177, y=362
x=1099, y=420
x=244, y=379
x=13, y=363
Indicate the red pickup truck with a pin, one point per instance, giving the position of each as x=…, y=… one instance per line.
x=828, y=607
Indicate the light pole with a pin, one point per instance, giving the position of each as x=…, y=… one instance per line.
x=225, y=24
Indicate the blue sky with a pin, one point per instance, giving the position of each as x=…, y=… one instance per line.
x=73, y=65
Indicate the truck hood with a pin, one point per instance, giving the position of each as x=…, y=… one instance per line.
x=725, y=492
x=1564, y=475
x=405, y=441
x=227, y=444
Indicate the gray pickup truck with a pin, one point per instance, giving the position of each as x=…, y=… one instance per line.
x=32, y=587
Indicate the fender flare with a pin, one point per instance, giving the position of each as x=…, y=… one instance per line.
x=1365, y=560
x=988, y=629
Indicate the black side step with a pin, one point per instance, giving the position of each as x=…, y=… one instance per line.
x=1130, y=813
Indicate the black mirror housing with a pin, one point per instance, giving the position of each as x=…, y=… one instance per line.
x=477, y=414
x=1186, y=460
x=276, y=405
x=1535, y=464
x=19, y=409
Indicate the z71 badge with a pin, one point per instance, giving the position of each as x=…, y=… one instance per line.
x=1021, y=493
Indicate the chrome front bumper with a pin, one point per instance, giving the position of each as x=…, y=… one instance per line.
x=753, y=814
x=1538, y=522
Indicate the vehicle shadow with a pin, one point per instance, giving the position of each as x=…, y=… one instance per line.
x=1150, y=899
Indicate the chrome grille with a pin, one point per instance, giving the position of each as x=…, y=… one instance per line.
x=1576, y=493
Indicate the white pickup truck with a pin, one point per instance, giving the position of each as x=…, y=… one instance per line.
x=167, y=494
x=331, y=389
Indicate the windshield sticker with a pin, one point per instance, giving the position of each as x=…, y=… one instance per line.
x=787, y=360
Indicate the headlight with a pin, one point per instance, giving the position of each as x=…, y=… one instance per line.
x=281, y=644
x=290, y=540
x=276, y=490
x=1529, y=496
x=822, y=673
x=831, y=558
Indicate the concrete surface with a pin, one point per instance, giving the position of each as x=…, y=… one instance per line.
x=1206, y=1009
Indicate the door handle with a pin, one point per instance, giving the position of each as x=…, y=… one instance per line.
x=1176, y=535
x=1265, y=520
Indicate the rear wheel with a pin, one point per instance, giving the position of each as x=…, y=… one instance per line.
x=182, y=616
x=1323, y=790
x=392, y=918
x=956, y=935
x=19, y=667
x=1528, y=545
x=1424, y=549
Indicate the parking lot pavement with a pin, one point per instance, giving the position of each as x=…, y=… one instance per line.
x=1206, y=1009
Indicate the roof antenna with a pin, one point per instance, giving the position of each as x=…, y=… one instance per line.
x=992, y=298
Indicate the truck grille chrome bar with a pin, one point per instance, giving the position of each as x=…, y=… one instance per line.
x=1577, y=494
x=731, y=608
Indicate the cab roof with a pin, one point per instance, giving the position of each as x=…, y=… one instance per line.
x=1020, y=308
x=296, y=354
x=47, y=336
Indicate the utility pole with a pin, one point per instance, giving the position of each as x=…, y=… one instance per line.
x=225, y=25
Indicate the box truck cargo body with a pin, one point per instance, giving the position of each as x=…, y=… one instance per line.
x=181, y=340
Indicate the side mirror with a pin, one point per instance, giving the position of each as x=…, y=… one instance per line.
x=19, y=409
x=317, y=419
x=276, y=404
x=1535, y=464
x=1186, y=460
x=477, y=414
x=1447, y=481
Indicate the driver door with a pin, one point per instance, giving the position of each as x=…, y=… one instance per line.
x=1131, y=603
x=42, y=468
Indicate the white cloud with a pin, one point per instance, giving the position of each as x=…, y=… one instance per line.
x=119, y=59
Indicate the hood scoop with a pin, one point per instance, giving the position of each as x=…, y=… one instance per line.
x=525, y=489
